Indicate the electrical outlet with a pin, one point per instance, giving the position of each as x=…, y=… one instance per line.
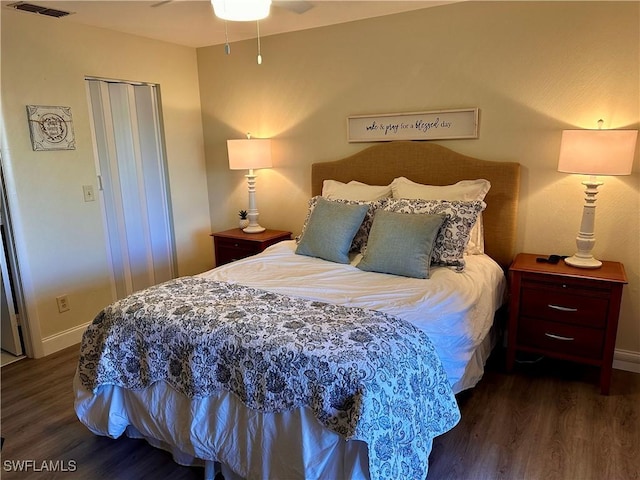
x=89, y=194
x=63, y=303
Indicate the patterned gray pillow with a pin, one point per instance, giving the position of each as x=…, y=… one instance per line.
x=453, y=237
x=360, y=240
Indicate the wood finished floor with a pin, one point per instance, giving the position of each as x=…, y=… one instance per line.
x=546, y=421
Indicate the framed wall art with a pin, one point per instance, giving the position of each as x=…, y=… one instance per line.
x=435, y=125
x=51, y=128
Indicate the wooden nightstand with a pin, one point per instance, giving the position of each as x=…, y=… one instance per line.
x=565, y=312
x=234, y=244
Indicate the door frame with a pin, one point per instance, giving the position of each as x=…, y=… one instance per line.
x=29, y=330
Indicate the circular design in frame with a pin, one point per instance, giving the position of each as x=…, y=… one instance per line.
x=51, y=128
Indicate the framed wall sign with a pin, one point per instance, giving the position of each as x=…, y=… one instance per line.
x=439, y=124
x=51, y=128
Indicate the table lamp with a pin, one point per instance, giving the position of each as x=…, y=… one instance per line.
x=250, y=154
x=594, y=153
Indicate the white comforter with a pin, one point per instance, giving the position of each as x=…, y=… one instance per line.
x=455, y=309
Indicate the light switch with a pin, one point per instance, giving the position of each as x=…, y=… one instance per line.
x=89, y=194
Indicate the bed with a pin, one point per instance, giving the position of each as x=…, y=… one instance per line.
x=340, y=368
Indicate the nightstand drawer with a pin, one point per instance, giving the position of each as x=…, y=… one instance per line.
x=231, y=254
x=563, y=306
x=236, y=244
x=561, y=338
x=239, y=246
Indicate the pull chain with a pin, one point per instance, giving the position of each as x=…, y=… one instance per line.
x=227, y=47
x=258, y=30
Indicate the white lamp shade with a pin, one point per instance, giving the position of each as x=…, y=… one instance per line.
x=241, y=10
x=247, y=154
x=597, y=152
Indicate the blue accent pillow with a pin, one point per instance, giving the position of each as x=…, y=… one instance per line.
x=401, y=243
x=453, y=238
x=330, y=230
x=360, y=240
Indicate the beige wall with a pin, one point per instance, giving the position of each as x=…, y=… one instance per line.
x=533, y=69
x=60, y=237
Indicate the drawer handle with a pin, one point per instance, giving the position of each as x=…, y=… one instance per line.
x=558, y=337
x=562, y=309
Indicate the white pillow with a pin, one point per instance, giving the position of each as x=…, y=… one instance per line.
x=466, y=190
x=334, y=190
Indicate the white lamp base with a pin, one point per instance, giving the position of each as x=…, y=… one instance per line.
x=583, y=262
x=253, y=229
x=586, y=238
x=252, y=211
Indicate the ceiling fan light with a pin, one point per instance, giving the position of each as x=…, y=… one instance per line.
x=241, y=10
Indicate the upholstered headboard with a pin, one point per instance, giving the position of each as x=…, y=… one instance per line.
x=433, y=164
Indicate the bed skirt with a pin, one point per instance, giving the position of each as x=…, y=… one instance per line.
x=248, y=444
x=224, y=425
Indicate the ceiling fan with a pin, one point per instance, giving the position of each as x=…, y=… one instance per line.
x=231, y=12
x=295, y=6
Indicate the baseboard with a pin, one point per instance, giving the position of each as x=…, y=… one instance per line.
x=62, y=340
x=626, y=360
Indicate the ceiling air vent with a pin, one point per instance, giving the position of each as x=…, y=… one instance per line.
x=30, y=7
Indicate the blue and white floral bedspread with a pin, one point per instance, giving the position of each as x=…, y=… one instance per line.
x=366, y=375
